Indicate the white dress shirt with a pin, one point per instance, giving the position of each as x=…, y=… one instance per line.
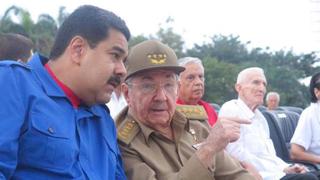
x=116, y=104
x=254, y=145
x=307, y=132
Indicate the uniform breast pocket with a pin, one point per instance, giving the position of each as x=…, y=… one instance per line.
x=47, y=144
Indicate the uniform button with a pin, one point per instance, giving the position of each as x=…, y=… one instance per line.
x=50, y=130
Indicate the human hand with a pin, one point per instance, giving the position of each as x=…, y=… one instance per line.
x=216, y=141
x=232, y=126
x=295, y=168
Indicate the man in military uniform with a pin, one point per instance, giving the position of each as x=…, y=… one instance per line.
x=156, y=140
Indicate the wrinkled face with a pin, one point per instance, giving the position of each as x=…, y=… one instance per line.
x=151, y=97
x=191, y=83
x=102, y=68
x=272, y=102
x=253, y=89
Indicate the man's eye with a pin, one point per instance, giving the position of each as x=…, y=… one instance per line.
x=147, y=86
x=169, y=85
x=115, y=55
x=256, y=82
x=190, y=77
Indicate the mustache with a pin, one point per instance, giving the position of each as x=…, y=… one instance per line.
x=115, y=80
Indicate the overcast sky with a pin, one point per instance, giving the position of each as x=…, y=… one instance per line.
x=279, y=24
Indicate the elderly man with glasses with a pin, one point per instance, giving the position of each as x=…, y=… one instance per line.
x=156, y=140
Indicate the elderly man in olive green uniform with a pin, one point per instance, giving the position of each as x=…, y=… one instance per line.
x=156, y=140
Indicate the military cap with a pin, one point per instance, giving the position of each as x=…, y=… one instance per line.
x=151, y=54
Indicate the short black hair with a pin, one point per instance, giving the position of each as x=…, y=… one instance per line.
x=89, y=22
x=314, y=83
x=15, y=47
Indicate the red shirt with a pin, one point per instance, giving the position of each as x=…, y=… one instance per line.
x=75, y=101
x=212, y=115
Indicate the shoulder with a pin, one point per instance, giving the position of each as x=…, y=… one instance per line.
x=229, y=106
x=192, y=112
x=308, y=113
x=14, y=64
x=14, y=73
x=127, y=130
x=230, y=103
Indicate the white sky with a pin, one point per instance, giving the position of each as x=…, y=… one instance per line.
x=279, y=24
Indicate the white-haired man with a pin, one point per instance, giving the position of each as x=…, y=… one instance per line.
x=272, y=100
x=191, y=86
x=254, y=145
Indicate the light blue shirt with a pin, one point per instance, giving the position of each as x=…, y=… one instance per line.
x=43, y=137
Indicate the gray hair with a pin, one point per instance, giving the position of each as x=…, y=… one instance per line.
x=273, y=94
x=243, y=75
x=189, y=60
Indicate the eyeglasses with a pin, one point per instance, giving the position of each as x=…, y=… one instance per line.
x=151, y=88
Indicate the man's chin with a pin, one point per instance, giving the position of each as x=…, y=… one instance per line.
x=104, y=100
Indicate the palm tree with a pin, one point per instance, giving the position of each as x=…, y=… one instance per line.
x=8, y=25
x=42, y=32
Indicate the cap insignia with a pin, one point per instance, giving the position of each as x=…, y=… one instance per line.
x=157, y=58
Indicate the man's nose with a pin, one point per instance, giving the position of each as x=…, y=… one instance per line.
x=160, y=93
x=198, y=81
x=262, y=88
x=120, y=69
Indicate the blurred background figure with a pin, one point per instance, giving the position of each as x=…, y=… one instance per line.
x=305, y=144
x=15, y=47
x=117, y=102
x=272, y=100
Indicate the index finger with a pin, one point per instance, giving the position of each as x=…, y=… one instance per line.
x=238, y=120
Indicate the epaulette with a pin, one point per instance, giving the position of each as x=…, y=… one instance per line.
x=193, y=112
x=127, y=130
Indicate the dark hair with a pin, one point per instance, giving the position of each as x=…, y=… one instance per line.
x=314, y=83
x=15, y=47
x=89, y=22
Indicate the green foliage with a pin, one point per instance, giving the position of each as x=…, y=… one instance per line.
x=167, y=36
x=224, y=48
x=136, y=40
x=219, y=80
x=42, y=32
x=223, y=58
x=173, y=40
x=283, y=69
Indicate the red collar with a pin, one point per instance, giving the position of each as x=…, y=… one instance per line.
x=75, y=101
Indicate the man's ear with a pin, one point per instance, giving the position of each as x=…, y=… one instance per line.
x=125, y=92
x=237, y=87
x=77, y=48
x=316, y=93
